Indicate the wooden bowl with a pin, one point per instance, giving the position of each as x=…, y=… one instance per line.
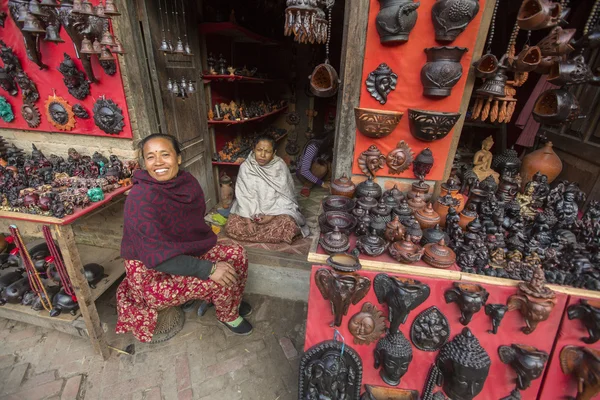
x=376, y=123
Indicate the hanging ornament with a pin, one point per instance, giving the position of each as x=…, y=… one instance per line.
x=324, y=81
x=59, y=113
x=590, y=40
x=31, y=115
x=6, y=112
x=108, y=116
x=187, y=49
x=399, y=159
x=306, y=21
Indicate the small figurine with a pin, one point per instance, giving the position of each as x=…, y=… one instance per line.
x=211, y=62
x=566, y=210
x=496, y=312
x=482, y=161
x=222, y=65
x=525, y=201
x=498, y=258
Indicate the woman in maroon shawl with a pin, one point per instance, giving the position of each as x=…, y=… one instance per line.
x=170, y=253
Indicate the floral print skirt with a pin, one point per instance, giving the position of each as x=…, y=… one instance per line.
x=282, y=228
x=145, y=291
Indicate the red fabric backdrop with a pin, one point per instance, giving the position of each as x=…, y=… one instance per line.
x=501, y=377
x=48, y=79
x=406, y=60
x=558, y=385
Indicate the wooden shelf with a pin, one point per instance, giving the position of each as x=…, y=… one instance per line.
x=238, y=164
x=234, y=78
x=236, y=32
x=213, y=122
x=113, y=267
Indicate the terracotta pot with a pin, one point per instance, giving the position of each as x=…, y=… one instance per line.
x=527, y=60
x=367, y=203
x=376, y=123
x=543, y=160
x=571, y=72
x=371, y=245
x=338, y=203
x=545, y=64
x=334, y=242
x=343, y=221
x=369, y=188
x=324, y=81
x=395, y=20
x=466, y=216
x=556, y=107
x=438, y=255
x=382, y=210
x=442, y=211
x=429, y=126
x=538, y=14
x=453, y=191
x=486, y=66
x=421, y=189
x=406, y=251
x=343, y=187
x=417, y=203
x=557, y=42
x=451, y=17
x=427, y=217
x=434, y=235
x=442, y=70
x=394, y=230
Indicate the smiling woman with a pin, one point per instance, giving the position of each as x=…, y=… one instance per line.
x=170, y=253
x=265, y=209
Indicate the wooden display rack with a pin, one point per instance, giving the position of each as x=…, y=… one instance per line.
x=113, y=267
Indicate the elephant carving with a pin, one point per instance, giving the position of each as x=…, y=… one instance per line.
x=533, y=310
x=527, y=361
x=341, y=289
x=588, y=311
x=402, y=295
x=470, y=298
x=584, y=364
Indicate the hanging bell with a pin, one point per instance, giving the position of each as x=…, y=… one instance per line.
x=107, y=39
x=32, y=25
x=49, y=3
x=175, y=88
x=164, y=46
x=170, y=45
x=52, y=34
x=118, y=47
x=86, y=46
x=87, y=8
x=188, y=50
x=97, y=47
x=179, y=47
x=76, y=7
x=191, y=87
x=495, y=85
x=183, y=84
x=22, y=13
x=106, y=55
x=170, y=85
x=111, y=9
x=35, y=9
x=99, y=11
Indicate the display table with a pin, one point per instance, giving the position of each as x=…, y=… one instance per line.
x=63, y=233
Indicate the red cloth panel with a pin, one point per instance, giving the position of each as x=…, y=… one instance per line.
x=51, y=79
x=556, y=384
x=501, y=377
x=406, y=60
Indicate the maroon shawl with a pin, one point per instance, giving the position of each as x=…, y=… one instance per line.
x=165, y=219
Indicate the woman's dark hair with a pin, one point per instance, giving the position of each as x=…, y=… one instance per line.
x=170, y=138
x=264, y=137
x=326, y=145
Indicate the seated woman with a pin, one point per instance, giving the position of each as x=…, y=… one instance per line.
x=265, y=208
x=314, y=163
x=170, y=253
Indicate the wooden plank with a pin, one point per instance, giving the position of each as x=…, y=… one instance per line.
x=64, y=323
x=68, y=248
x=356, y=18
x=464, y=105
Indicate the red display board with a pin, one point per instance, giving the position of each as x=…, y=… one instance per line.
x=406, y=60
x=501, y=379
x=49, y=81
x=558, y=385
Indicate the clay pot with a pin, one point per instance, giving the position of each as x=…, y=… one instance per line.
x=453, y=191
x=486, y=66
x=527, y=60
x=406, y=251
x=434, y=235
x=442, y=70
x=94, y=273
x=442, y=211
x=324, y=81
x=383, y=211
x=543, y=160
x=417, y=203
x=427, y=217
x=367, y=203
x=390, y=201
x=556, y=107
x=343, y=187
x=338, y=203
x=545, y=64
x=358, y=212
x=495, y=85
x=415, y=232
x=538, y=14
x=429, y=126
x=395, y=20
x=376, y=123
x=369, y=188
x=571, y=72
x=466, y=216
x=451, y=17
x=438, y=255
x=371, y=245
x=476, y=197
x=396, y=193
x=378, y=225
x=394, y=230
x=419, y=189
x=334, y=242
x=343, y=221
x=557, y=42
x=345, y=262
x=403, y=212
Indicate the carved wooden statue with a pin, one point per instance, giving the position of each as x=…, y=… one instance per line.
x=341, y=289
x=584, y=364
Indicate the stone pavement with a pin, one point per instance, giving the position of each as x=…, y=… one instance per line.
x=201, y=362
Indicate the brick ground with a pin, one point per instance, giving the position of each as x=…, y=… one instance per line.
x=202, y=362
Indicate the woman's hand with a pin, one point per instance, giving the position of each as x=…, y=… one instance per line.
x=250, y=226
x=325, y=185
x=265, y=219
x=224, y=274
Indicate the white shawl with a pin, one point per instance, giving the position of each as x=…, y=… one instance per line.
x=267, y=190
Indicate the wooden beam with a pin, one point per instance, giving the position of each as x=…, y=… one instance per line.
x=464, y=105
x=68, y=248
x=356, y=18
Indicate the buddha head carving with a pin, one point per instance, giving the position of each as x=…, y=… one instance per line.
x=368, y=325
x=108, y=116
x=393, y=354
x=464, y=365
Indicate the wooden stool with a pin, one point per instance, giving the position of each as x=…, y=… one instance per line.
x=170, y=322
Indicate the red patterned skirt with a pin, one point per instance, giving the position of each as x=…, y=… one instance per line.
x=144, y=292
x=282, y=228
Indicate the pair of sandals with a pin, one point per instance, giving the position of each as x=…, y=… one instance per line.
x=244, y=328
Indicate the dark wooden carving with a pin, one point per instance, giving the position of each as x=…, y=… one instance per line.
x=527, y=361
x=588, y=311
x=367, y=325
x=341, y=289
x=496, y=312
x=469, y=297
x=387, y=393
x=584, y=364
x=430, y=330
x=393, y=354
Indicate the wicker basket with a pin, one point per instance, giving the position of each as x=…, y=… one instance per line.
x=170, y=322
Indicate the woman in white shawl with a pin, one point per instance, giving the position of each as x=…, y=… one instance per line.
x=265, y=209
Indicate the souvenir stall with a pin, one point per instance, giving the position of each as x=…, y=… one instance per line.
x=59, y=74
x=487, y=289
